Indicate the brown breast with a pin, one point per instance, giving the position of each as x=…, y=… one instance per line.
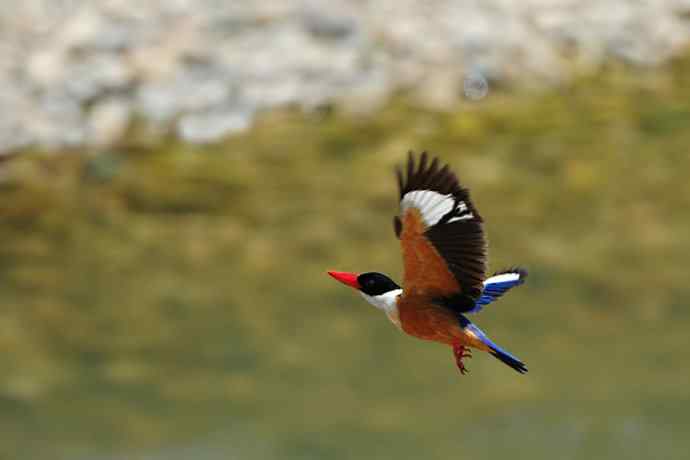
x=422, y=319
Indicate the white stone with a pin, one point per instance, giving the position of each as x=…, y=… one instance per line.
x=214, y=125
x=108, y=121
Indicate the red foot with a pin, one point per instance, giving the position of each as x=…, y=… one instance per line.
x=461, y=351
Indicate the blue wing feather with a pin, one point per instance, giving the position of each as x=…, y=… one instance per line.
x=496, y=285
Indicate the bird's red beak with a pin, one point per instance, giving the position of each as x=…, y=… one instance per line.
x=346, y=278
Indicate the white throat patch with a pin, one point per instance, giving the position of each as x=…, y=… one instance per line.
x=388, y=301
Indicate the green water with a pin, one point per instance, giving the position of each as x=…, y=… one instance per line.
x=168, y=301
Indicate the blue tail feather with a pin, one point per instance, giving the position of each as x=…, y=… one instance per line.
x=508, y=359
x=496, y=351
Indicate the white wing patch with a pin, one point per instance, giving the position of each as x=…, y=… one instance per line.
x=433, y=206
x=502, y=278
x=463, y=217
x=460, y=209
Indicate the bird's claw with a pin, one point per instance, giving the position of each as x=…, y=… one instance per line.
x=460, y=352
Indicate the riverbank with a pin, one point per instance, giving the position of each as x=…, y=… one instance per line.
x=75, y=73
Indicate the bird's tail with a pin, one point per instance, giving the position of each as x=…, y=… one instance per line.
x=508, y=359
x=498, y=352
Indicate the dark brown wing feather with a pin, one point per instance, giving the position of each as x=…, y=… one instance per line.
x=457, y=236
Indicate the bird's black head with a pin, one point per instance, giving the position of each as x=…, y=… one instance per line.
x=373, y=283
x=370, y=283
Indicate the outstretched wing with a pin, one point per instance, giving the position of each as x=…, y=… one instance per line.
x=497, y=285
x=441, y=234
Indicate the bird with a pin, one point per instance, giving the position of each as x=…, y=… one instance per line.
x=444, y=252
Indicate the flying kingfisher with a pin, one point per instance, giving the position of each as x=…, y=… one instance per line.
x=444, y=256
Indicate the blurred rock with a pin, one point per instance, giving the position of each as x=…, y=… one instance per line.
x=161, y=101
x=108, y=121
x=75, y=71
x=96, y=75
x=213, y=125
x=474, y=85
x=439, y=91
x=325, y=24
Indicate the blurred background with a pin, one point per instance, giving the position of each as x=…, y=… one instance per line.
x=177, y=176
